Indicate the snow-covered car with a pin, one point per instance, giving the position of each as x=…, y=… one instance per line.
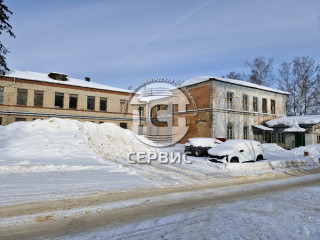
x=236, y=151
x=199, y=146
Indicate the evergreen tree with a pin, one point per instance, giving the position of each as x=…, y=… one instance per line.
x=5, y=27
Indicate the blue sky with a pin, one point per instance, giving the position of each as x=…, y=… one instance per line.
x=122, y=43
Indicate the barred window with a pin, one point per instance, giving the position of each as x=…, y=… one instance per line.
x=318, y=139
x=229, y=132
x=22, y=96
x=38, y=98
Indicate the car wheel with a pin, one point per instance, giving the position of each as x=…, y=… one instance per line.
x=234, y=160
x=259, y=158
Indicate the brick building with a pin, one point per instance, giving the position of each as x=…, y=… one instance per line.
x=231, y=109
x=26, y=96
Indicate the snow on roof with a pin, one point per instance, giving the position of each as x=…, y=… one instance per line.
x=203, y=142
x=295, y=120
x=263, y=127
x=232, y=81
x=43, y=77
x=295, y=129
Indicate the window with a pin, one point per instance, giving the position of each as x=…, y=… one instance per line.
x=1, y=95
x=255, y=104
x=38, y=98
x=245, y=102
x=273, y=107
x=58, y=102
x=21, y=119
x=318, y=139
x=91, y=103
x=123, y=106
x=245, y=132
x=22, y=96
x=103, y=104
x=0, y=121
x=73, y=101
x=229, y=132
x=229, y=100
x=264, y=105
x=280, y=138
x=141, y=111
x=123, y=125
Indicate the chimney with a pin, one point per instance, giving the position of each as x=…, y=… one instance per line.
x=87, y=79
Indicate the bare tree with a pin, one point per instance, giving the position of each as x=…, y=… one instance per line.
x=261, y=71
x=234, y=75
x=285, y=83
x=307, y=82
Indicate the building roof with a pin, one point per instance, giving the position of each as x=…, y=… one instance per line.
x=294, y=120
x=294, y=129
x=201, y=79
x=43, y=77
x=263, y=127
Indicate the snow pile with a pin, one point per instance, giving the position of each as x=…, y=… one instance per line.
x=295, y=120
x=111, y=142
x=63, y=141
x=314, y=151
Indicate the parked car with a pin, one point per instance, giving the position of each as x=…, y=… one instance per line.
x=199, y=147
x=236, y=151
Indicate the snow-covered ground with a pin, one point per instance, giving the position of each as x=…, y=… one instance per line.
x=59, y=158
x=290, y=215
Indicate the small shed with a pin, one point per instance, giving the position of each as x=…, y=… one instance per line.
x=296, y=131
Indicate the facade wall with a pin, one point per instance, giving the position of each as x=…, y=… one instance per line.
x=316, y=133
x=237, y=117
x=10, y=110
x=213, y=115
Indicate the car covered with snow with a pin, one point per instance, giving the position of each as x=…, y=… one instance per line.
x=199, y=146
x=236, y=151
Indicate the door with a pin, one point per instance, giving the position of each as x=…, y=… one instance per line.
x=300, y=139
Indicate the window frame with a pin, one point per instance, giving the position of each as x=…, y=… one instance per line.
x=264, y=105
x=245, y=107
x=123, y=123
x=38, y=93
x=58, y=95
x=246, y=132
x=23, y=103
x=273, y=106
x=73, y=96
x=1, y=95
x=93, y=105
x=255, y=104
x=230, y=126
x=122, y=106
x=106, y=102
x=318, y=139
x=230, y=100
